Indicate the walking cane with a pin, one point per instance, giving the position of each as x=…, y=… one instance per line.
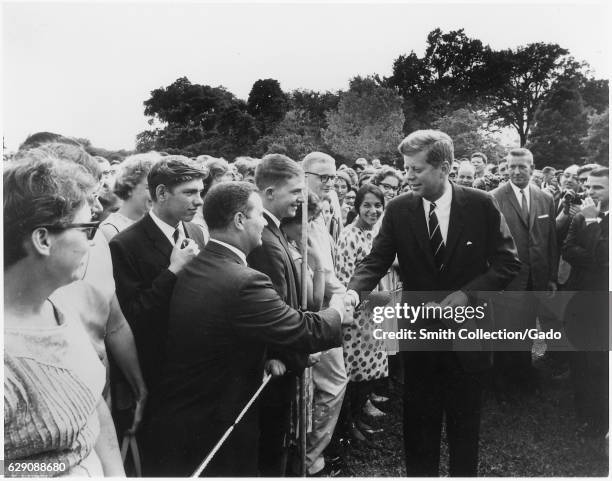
x=202, y=466
x=304, y=277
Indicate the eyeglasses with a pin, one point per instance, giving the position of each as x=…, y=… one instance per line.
x=388, y=187
x=89, y=228
x=324, y=178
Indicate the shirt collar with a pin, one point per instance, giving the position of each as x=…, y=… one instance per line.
x=517, y=190
x=273, y=217
x=444, y=201
x=235, y=250
x=167, y=229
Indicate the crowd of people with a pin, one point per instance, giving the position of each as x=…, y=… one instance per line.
x=146, y=299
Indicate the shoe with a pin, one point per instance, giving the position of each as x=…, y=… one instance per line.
x=375, y=398
x=370, y=410
x=328, y=471
x=367, y=429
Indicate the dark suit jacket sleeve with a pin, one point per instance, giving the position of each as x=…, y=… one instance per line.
x=140, y=300
x=377, y=263
x=502, y=257
x=260, y=313
x=575, y=253
x=553, y=245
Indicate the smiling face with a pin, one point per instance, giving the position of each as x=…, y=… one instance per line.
x=424, y=179
x=569, y=179
x=323, y=179
x=390, y=187
x=370, y=210
x=284, y=198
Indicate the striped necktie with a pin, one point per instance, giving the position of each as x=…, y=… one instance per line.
x=435, y=238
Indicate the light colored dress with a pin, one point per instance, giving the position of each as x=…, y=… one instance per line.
x=53, y=382
x=114, y=224
x=365, y=357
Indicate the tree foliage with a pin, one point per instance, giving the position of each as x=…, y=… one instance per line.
x=267, y=103
x=368, y=122
x=597, y=140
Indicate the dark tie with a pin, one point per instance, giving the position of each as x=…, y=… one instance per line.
x=524, y=208
x=176, y=235
x=435, y=238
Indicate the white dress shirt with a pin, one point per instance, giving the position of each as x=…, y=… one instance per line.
x=235, y=250
x=442, y=210
x=517, y=193
x=273, y=217
x=168, y=230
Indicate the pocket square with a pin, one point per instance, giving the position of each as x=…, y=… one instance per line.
x=468, y=243
x=543, y=216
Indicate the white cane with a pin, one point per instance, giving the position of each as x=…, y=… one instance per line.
x=214, y=450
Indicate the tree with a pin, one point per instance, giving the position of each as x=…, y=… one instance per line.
x=597, y=140
x=470, y=133
x=518, y=80
x=267, y=103
x=368, y=122
x=560, y=124
x=196, y=119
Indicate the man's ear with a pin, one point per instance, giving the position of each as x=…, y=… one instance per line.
x=161, y=191
x=445, y=167
x=269, y=192
x=41, y=241
x=239, y=220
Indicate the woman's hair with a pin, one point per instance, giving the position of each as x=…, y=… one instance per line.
x=367, y=189
x=215, y=168
x=131, y=172
x=383, y=173
x=314, y=209
x=40, y=189
x=342, y=175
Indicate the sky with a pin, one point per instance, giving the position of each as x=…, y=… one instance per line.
x=85, y=69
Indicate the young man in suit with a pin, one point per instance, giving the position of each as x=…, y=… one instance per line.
x=223, y=317
x=450, y=239
x=586, y=248
x=280, y=183
x=530, y=214
x=148, y=255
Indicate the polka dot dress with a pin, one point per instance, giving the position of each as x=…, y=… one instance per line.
x=364, y=357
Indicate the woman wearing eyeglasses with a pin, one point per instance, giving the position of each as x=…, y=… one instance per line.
x=55, y=421
x=389, y=181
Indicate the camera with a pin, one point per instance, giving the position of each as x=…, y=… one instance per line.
x=571, y=197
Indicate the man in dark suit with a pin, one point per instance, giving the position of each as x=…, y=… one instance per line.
x=586, y=248
x=223, y=315
x=148, y=255
x=280, y=182
x=450, y=239
x=530, y=214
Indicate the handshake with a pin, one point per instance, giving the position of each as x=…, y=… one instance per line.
x=346, y=303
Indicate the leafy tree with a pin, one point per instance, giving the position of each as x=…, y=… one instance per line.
x=518, y=81
x=597, y=141
x=267, y=103
x=470, y=133
x=368, y=122
x=560, y=124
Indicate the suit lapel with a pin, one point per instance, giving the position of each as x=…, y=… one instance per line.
x=420, y=228
x=455, y=222
x=534, y=200
x=281, y=238
x=158, y=239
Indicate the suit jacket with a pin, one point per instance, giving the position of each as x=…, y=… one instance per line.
x=480, y=254
x=141, y=256
x=223, y=314
x=536, y=241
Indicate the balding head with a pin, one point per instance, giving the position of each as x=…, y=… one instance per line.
x=320, y=172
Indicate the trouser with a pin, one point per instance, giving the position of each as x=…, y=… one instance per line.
x=329, y=379
x=437, y=386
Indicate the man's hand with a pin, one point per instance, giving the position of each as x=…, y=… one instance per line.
x=179, y=258
x=455, y=299
x=313, y=359
x=351, y=299
x=275, y=367
x=338, y=302
x=138, y=412
x=589, y=209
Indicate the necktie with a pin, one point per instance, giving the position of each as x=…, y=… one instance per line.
x=524, y=208
x=176, y=235
x=435, y=238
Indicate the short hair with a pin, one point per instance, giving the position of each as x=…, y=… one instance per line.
x=466, y=164
x=131, y=173
x=481, y=155
x=316, y=158
x=41, y=138
x=68, y=152
x=314, y=209
x=368, y=189
x=520, y=152
x=41, y=189
x=548, y=170
x=171, y=171
x=353, y=176
x=383, y=172
x=437, y=144
x=215, y=167
x=600, y=172
x=587, y=168
x=275, y=169
x=223, y=201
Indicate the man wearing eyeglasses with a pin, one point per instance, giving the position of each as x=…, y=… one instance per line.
x=329, y=374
